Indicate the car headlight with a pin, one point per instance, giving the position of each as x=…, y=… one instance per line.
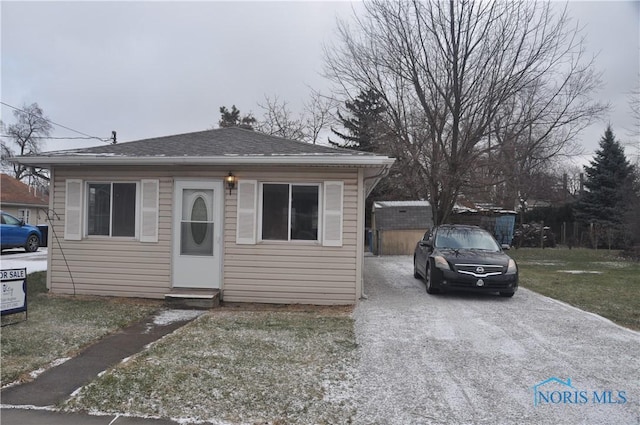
x=512, y=268
x=441, y=263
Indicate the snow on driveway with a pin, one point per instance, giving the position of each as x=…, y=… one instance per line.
x=474, y=359
x=18, y=259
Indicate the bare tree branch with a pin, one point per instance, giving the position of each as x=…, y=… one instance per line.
x=25, y=137
x=467, y=83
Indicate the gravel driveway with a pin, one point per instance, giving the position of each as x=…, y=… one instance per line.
x=474, y=359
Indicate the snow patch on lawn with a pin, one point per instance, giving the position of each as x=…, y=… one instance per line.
x=580, y=271
x=540, y=263
x=168, y=317
x=54, y=363
x=28, y=407
x=613, y=264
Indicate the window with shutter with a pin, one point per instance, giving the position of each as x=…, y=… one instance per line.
x=73, y=210
x=332, y=213
x=112, y=209
x=246, y=214
x=289, y=211
x=149, y=211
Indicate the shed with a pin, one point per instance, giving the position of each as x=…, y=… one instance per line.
x=398, y=225
x=233, y=212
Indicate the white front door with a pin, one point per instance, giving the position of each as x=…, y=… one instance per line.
x=197, y=234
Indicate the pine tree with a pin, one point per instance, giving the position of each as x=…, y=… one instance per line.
x=233, y=119
x=364, y=126
x=609, y=182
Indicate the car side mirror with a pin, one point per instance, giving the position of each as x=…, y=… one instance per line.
x=426, y=243
x=21, y=223
x=506, y=246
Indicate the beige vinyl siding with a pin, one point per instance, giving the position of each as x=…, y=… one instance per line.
x=267, y=272
x=111, y=266
x=37, y=214
x=296, y=271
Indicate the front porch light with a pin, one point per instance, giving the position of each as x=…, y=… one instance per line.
x=231, y=182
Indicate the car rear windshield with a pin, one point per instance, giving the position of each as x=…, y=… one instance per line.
x=466, y=239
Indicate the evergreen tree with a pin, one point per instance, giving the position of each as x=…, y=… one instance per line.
x=364, y=126
x=609, y=184
x=233, y=119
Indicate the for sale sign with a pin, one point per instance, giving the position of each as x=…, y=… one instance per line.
x=13, y=298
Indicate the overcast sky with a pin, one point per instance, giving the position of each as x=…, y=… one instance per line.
x=149, y=69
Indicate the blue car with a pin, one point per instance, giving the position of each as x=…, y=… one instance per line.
x=16, y=234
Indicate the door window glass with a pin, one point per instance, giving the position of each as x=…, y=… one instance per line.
x=196, y=227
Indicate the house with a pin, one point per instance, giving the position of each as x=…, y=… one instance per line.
x=23, y=201
x=398, y=225
x=256, y=217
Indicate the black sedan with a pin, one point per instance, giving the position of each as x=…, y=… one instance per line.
x=463, y=257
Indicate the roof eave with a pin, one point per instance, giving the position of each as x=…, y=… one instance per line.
x=318, y=160
x=43, y=204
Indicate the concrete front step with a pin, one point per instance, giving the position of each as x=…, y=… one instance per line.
x=202, y=299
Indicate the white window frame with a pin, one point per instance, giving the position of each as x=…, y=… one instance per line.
x=24, y=214
x=317, y=241
x=85, y=207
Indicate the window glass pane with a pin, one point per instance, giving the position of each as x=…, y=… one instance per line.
x=304, y=213
x=124, y=209
x=199, y=214
x=99, y=208
x=196, y=228
x=197, y=238
x=275, y=211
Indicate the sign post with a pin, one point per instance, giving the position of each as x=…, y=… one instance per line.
x=13, y=297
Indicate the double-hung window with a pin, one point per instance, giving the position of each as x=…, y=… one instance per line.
x=290, y=211
x=111, y=209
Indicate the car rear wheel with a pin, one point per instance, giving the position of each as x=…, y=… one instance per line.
x=429, y=281
x=33, y=243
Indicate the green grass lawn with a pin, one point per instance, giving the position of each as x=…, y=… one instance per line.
x=59, y=326
x=599, y=281
x=234, y=366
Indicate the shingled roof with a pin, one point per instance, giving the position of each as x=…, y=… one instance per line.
x=14, y=192
x=224, y=145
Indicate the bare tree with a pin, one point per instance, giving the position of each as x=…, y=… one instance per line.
x=307, y=126
x=454, y=73
x=25, y=137
x=318, y=115
x=278, y=120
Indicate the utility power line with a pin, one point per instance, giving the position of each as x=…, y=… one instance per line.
x=87, y=136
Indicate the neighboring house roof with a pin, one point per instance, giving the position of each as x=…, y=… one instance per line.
x=388, y=204
x=14, y=192
x=222, y=146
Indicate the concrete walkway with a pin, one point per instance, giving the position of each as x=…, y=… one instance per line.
x=31, y=403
